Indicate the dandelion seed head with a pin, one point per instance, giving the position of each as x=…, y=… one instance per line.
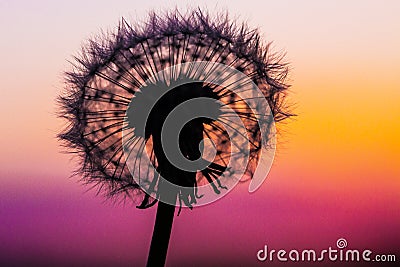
x=120, y=76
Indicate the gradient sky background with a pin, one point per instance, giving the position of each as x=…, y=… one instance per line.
x=336, y=174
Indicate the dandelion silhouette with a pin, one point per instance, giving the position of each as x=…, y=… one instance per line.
x=160, y=111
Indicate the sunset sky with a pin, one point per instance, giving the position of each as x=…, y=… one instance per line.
x=336, y=173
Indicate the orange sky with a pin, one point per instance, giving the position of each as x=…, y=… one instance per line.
x=344, y=74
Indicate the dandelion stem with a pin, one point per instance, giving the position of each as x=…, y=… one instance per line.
x=161, y=234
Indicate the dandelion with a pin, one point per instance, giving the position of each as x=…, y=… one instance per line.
x=191, y=75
